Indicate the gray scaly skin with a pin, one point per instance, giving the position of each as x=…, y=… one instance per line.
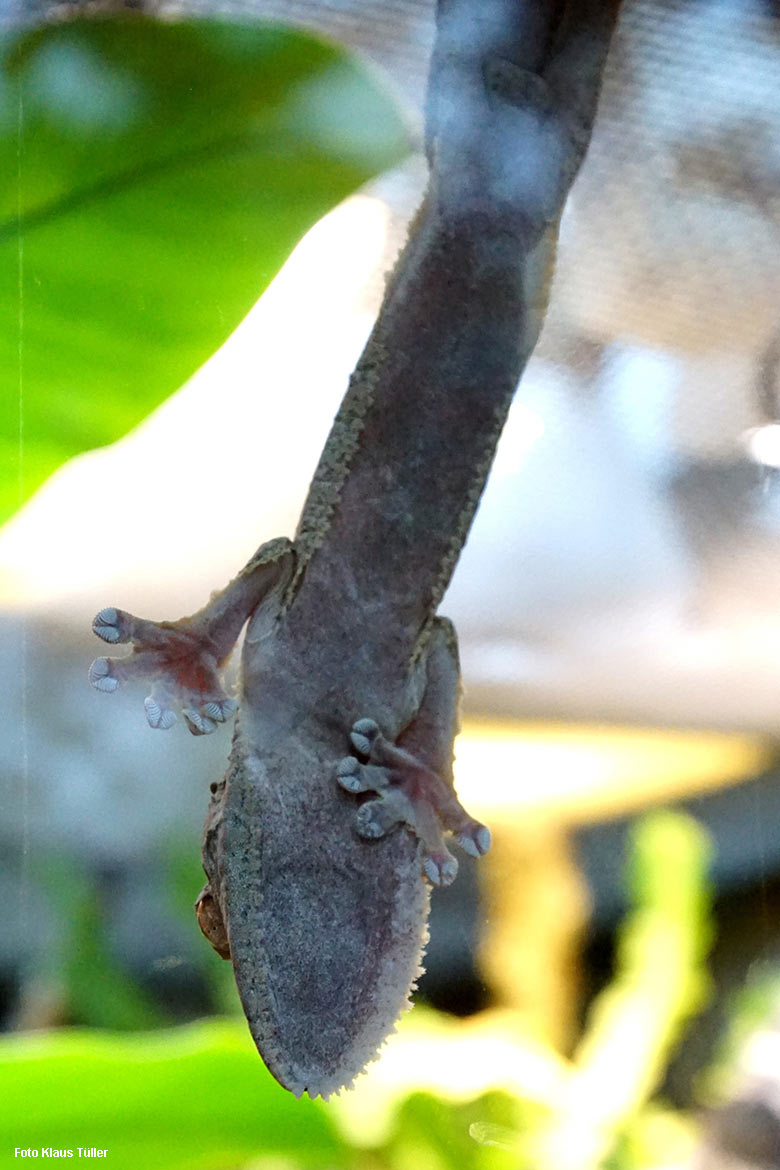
x=318, y=902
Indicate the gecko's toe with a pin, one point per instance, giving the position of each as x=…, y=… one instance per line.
x=157, y=714
x=370, y=820
x=348, y=774
x=182, y=660
x=110, y=625
x=101, y=676
x=410, y=793
x=219, y=710
x=440, y=868
x=198, y=724
x=475, y=839
x=375, y=818
x=363, y=735
x=357, y=777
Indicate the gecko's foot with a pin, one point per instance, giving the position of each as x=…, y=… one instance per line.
x=102, y=677
x=158, y=713
x=177, y=658
x=107, y=625
x=203, y=720
x=410, y=793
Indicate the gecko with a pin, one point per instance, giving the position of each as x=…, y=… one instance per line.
x=337, y=811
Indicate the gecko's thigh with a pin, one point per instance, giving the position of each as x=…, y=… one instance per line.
x=431, y=733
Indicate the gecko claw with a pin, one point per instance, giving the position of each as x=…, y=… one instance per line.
x=101, y=677
x=475, y=840
x=363, y=735
x=441, y=868
x=109, y=626
x=219, y=710
x=348, y=774
x=373, y=819
x=157, y=716
x=198, y=724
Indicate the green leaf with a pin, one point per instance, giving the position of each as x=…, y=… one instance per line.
x=157, y=175
x=195, y=1098
x=434, y=1134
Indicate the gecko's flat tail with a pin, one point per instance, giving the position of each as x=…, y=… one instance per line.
x=325, y=930
x=329, y=1078
x=339, y=965
x=313, y=1052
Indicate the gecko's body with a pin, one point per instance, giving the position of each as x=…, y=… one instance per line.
x=356, y=639
x=320, y=905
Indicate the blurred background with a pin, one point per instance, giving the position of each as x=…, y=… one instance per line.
x=602, y=989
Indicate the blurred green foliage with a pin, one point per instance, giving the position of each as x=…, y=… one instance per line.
x=432, y=1133
x=77, y=976
x=92, y=987
x=155, y=176
x=199, y=1097
x=196, y=1098
x=599, y=1115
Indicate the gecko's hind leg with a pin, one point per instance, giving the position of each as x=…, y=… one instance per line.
x=413, y=778
x=183, y=660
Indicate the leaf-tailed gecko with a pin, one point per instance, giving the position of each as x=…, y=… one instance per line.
x=335, y=812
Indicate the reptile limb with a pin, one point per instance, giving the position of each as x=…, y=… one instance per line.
x=183, y=660
x=412, y=778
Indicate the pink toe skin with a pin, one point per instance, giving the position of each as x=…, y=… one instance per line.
x=188, y=668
